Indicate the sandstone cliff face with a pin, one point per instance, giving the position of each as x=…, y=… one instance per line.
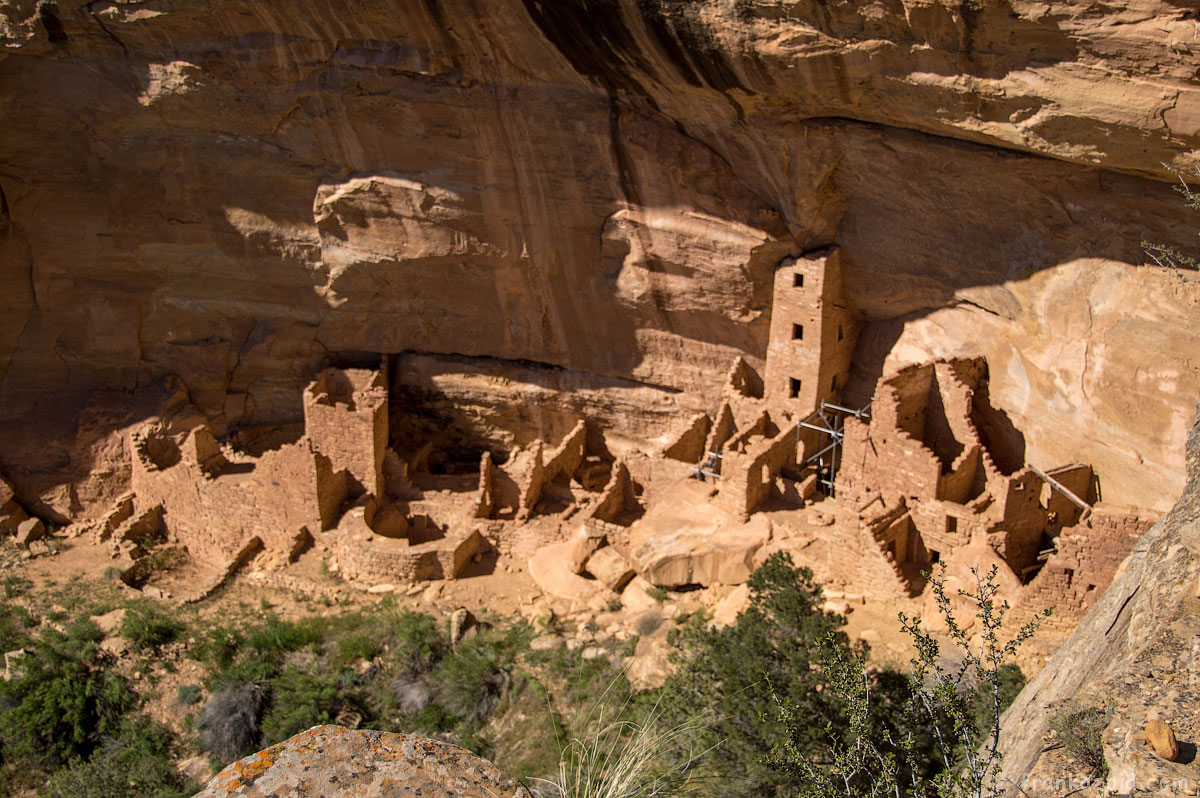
x=591, y=195
x=1134, y=655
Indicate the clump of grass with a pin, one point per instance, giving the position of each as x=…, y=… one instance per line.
x=628, y=759
x=188, y=694
x=657, y=593
x=149, y=627
x=1080, y=732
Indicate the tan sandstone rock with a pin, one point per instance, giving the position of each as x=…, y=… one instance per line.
x=1161, y=739
x=331, y=762
x=610, y=568
x=988, y=172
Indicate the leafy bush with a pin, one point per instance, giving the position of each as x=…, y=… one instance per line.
x=15, y=623
x=300, y=700
x=229, y=727
x=947, y=742
x=149, y=627
x=418, y=643
x=726, y=676
x=276, y=637
x=470, y=682
x=188, y=694
x=136, y=764
x=65, y=701
x=217, y=648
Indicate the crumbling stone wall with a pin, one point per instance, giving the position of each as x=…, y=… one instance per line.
x=958, y=484
x=346, y=418
x=617, y=497
x=214, y=512
x=1084, y=563
x=688, y=445
x=723, y=428
x=748, y=474
x=485, y=504
x=882, y=458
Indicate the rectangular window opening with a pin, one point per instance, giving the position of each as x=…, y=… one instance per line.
x=795, y=388
x=797, y=332
x=951, y=525
x=798, y=280
x=841, y=333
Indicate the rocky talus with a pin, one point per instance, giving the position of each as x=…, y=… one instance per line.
x=1135, y=656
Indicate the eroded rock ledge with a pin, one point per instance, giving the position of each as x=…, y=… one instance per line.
x=331, y=761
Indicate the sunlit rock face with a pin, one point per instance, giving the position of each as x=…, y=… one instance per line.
x=237, y=192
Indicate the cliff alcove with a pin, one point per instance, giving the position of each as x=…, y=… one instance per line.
x=618, y=295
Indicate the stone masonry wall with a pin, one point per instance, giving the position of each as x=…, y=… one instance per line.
x=747, y=477
x=688, y=445
x=213, y=514
x=812, y=335
x=346, y=417
x=887, y=461
x=1086, y=560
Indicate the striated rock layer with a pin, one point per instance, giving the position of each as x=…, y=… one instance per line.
x=586, y=200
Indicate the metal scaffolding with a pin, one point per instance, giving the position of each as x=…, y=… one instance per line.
x=709, y=466
x=829, y=421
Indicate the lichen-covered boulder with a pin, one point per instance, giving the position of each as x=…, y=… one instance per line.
x=331, y=761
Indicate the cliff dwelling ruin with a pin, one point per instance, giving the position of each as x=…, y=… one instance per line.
x=401, y=482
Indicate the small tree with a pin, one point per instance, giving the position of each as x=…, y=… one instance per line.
x=1167, y=256
x=866, y=760
x=727, y=677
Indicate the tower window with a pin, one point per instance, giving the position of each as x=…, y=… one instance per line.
x=841, y=333
x=795, y=388
x=798, y=280
x=951, y=525
x=797, y=332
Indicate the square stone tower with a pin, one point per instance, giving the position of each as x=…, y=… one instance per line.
x=346, y=418
x=812, y=335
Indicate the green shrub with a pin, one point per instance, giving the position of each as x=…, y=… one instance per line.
x=469, y=682
x=726, y=675
x=1080, y=733
x=149, y=627
x=300, y=700
x=135, y=764
x=188, y=694
x=217, y=647
x=942, y=741
x=15, y=623
x=276, y=637
x=65, y=701
x=418, y=643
